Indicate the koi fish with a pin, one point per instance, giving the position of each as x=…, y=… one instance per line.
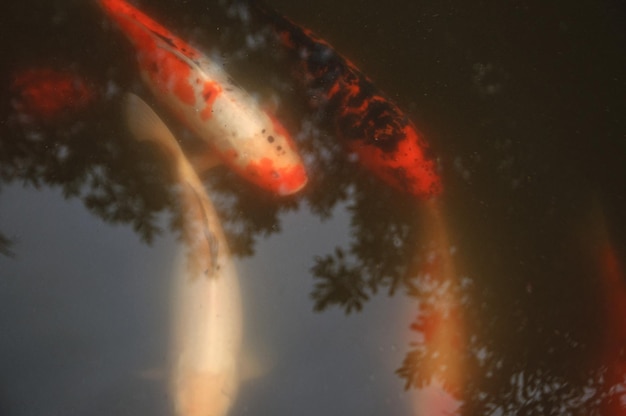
x=613, y=292
x=207, y=324
x=437, y=355
x=200, y=93
x=371, y=125
x=49, y=95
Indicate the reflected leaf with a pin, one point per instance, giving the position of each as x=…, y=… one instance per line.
x=5, y=246
x=338, y=283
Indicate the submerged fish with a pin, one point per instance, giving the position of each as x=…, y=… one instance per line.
x=207, y=325
x=50, y=95
x=372, y=126
x=601, y=243
x=436, y=363
x=200, y=93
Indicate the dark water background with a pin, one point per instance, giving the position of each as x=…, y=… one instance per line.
x=523, y=105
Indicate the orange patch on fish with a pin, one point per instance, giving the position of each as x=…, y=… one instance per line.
x=283, y=181
x=406, y=169
x=210, y=92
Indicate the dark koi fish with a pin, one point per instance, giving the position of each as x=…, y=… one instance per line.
x=613, y=291
x=200, y=93
x=372, y=126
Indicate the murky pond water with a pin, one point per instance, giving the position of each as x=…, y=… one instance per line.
x=504, y=294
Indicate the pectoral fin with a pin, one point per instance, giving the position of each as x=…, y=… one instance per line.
x=146, y=125
x=204, y=161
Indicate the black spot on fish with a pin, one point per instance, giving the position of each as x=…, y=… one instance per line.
x=263, y=131
x=207, y=94
x=164, y=38
x=270, y=138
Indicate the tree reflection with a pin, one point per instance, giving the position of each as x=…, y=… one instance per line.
x=98, y=165
x=518, y=351
x=5, y=246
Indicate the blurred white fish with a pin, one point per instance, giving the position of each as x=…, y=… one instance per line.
x=207, y=324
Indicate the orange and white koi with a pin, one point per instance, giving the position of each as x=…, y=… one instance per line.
x=202, y=95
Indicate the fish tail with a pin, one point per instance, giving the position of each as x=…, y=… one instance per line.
x=145, y=125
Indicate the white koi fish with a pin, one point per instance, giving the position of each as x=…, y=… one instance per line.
x=207, y=324
x=200, y=93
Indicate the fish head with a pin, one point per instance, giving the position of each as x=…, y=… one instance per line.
x=267, y=157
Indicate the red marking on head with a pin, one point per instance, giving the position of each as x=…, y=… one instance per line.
x=210, y=92
x=294, y=179
x=282, y=181
x=406, y=169
x=49, y=94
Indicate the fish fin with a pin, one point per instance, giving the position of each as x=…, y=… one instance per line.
x=205, y=161
x=146, y=125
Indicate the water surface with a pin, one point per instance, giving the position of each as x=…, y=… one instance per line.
x=522, y=104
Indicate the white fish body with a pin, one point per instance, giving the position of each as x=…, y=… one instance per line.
x=207, y=316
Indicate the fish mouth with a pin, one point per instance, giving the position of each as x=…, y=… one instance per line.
x=292, y=180
x=288, y=189
x=280, y=180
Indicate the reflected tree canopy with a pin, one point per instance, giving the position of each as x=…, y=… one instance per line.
x=527, y=290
